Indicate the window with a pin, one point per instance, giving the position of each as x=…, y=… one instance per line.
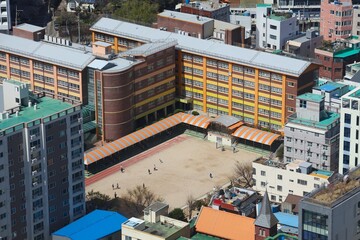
x=301, y=182
x=273, y=27
x=273, y=198
x=346, y=146
x=279, y=188
x=346, y=132
x=263, y=173
x=263, y=184
x=302, y=104
x=347, y=118
x=272, y=37
x=290, y=97
x=346, y=159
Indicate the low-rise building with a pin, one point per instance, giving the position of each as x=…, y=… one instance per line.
x=291, y=204
x=201, y=27
x=236, y=200
x=332, y=92
x=335, y=56
x=211, y=9
x=333, y=211
x=99, y=224
x=312, y=133
x=5, y=19
x=280, y=179
x=304, y=46
x=274, y=29
x=155, y=225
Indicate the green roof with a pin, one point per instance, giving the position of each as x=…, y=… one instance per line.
x=263, y=5
x=161, y=230
x=45, y=107
x=17, y=83
x=200, y=236
x=355, y=94
x=282, y=236
x=327, y=119
x=346, y=53
x=311, y=97
x=87, y=127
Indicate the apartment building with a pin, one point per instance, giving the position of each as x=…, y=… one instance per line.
x=332, y=212
x=312, y=133
x=41, y=163
x=349, y=131
x=274, y=29
x=280, y=179
x=137, y=88
x=336, y=19
x=58, y=71
x=156, y=225
x=5, y=16
x=211, y=9
x=259, y=88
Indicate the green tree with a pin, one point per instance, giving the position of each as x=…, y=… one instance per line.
x=178, y=214
x=97, y=200
x=142, y=11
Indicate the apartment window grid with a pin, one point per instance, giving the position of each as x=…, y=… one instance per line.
x=264, y=87
x=212, y=63
x=2, y=55
x=264, y=74
x=237, y=105
x=237, y=81
x=249, y=120
x=275, y=76
x=237, y=68
x=249, y=84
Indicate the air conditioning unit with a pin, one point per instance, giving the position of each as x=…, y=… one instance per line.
x=33, y=148
x=34, y=172
x=80, y=120
x=33, y=160
x=35, y=184
x=80, y=131
x=32, y=137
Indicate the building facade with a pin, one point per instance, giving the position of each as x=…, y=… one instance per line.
x=281, y=179
x=211, y=9
x=305, y=45
x=41, y=165
x=336, y=19
x=312, y=133
x=52, y=69
x=349, y=131
x=219, y=79
x=274, y=29
x=134, y=90
x=5, y=16
x=332, y=212
x=334, y=57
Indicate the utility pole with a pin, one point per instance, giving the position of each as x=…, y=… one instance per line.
x=16, y=14
x=79, y=28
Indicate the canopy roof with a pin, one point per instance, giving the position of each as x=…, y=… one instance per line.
x=255, y=135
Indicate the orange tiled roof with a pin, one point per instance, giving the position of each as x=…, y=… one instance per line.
x=225, y=225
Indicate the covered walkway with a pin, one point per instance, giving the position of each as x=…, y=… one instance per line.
x=131, y=139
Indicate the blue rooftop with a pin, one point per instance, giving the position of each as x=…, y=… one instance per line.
x=94, y=225
x=287, y=219
x=330, y=86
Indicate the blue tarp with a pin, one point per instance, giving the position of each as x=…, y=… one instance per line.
x=94, y=225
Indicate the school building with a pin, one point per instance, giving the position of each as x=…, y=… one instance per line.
x=258, y=88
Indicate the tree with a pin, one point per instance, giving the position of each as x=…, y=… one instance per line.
x=140, y=197
x=97, y=200
x=178, y=214
x=280, y=152
x=142, y=11
x=243, y=174
x=190, y=202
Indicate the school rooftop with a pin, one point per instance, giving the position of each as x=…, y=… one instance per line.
x=263, y=60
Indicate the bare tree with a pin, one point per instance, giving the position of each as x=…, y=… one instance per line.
x=190, y=202
x=243, y=174
x=140, y=197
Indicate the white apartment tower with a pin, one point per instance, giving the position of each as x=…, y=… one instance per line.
x=349, y=131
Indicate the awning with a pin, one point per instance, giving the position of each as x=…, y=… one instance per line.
x=87, y=127
x=255, y=135
x=135, y=137
x=198, y=121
